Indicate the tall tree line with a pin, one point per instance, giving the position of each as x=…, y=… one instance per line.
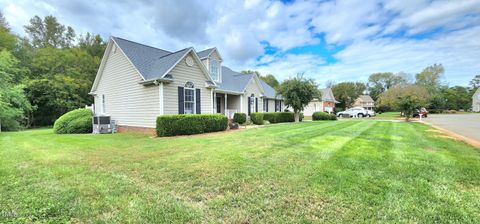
x=51, y=71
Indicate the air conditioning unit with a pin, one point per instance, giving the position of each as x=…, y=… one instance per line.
x=103, y=125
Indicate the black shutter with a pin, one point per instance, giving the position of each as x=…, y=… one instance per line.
x=280, y=108
x=181, y=100
x=197, y=101
x=248, y=105
x=266, y=106
x=276, y=106
x=256, y=104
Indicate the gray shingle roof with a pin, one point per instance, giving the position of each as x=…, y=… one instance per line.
x=205, y=53
x=269, y=91
x=150, y=62
x=327, y=95
x=233, y=81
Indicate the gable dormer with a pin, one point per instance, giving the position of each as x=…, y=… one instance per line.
x=213, y=62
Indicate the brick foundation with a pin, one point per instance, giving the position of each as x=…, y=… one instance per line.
x=132, y=129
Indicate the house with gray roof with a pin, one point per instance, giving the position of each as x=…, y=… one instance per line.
x=136, y=83
x=324, y=104
x=364, y=101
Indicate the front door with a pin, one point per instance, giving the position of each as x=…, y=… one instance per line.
x=219, y=104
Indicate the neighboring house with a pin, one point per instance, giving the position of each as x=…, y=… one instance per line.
x=136, y=83
x=325, y=104
x=476, y=101
x=364, y=101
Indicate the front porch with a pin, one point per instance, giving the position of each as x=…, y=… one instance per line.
x=228, y=104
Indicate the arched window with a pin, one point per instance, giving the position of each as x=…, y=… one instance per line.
x=189, y=85
x=189, y=98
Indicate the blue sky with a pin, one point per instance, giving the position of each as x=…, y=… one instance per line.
x=326, y=40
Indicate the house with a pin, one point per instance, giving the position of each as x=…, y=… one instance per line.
x=325, y=104
x=136, y=83
x=476, y=101
x=364, y=101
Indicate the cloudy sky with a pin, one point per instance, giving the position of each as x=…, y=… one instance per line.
x=326, y=40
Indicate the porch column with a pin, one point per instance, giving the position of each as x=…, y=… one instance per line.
x=226, y=105
x=160, y=96
x=213, y=101
x=241, y=104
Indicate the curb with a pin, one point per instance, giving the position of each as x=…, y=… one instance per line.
x=467, y=140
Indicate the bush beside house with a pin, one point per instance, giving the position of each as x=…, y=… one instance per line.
x=74, y=122
x=257, y=118
x=279, y=117
x=188, y=124
x=318, y=116
x=240, y=118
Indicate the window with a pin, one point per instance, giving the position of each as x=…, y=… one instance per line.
x=214, y=69
x=189, y=98
x=103, y=104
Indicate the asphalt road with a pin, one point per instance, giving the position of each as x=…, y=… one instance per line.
x=467, y=125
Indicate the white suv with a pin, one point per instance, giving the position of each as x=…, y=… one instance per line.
x=357, y=112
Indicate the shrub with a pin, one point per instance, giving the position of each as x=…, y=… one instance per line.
x=74, y=122
x=318, y=116
x=240, y=118
x=333, y=117
x=279, y=117
x=257, y=118
x=188, y=124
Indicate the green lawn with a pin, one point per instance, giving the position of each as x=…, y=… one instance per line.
x=334, y=171
x=389, y=116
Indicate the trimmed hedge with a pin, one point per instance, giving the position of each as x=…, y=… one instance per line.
x=257, y=118
x=279, y=117
x=74, y=122
x=318, y=116
x=240, y=118
x=189, y=124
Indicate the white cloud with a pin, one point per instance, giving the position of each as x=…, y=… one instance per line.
x=375, y=35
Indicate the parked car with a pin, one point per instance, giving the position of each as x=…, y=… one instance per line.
x=356, y=111
x=422, y=111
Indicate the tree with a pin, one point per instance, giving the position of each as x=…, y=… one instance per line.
x=475, y=83
x=381, y=82
x=457, y=98
x=49, y=33
x=297, y=92
x=347, y=92
x=431, y=76
x=7, y=40
x=13, y=102
x=3, y=22
x=93, y=44
x=405, y=98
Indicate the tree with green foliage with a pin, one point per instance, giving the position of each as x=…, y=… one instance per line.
x=297, y=92
x=475, y=82
x=347, y=92
x=430, y=78
x=13, y=102
x=93, y=44
x=381, y=82
x=457, y=98
x=405, y=98
x=49, y=33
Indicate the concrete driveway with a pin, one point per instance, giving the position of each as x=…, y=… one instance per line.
x=467, y=125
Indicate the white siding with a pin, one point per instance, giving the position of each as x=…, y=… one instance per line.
x=127, y=101
x=312, y=107
x=252, y=87
x=182, y=74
